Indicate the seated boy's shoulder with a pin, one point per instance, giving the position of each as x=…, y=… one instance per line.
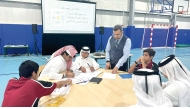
x=155, y=64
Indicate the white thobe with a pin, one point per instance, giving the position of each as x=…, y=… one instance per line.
x=54, y=67
x=172, y=90
x=155, y=96
x=86, y=63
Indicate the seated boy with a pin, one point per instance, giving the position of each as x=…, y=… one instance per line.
x=60, y=61
x=27, y=90
x=84, y=61
x=144, y=61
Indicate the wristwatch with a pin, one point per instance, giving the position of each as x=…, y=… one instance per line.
x=136, y=62
x=80, y=68
x=64, y=75
x=107, y=61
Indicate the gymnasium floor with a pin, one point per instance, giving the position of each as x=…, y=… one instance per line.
x=9, y=65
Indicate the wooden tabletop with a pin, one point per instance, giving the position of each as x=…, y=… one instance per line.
x=109, y=93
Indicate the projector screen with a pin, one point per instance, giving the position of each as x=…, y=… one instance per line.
x=68, y=17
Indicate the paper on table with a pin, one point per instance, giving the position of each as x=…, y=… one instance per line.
x=83, y=78
x=108, y=75
x=61, y=91
x=94, y=74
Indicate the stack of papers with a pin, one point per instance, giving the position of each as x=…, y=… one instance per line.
x=60, y=91
x=84, y=78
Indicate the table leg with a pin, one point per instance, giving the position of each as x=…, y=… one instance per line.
x=5, y=52
x=27, y=50
x=129, y=62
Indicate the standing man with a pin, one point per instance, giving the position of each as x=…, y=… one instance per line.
x=117, y=50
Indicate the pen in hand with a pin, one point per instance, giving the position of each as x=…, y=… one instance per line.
x=91, y=68
x=81, y=82
x=66, y=85
x=88, y=64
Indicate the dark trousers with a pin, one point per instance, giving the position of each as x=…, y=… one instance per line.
x=122, y=68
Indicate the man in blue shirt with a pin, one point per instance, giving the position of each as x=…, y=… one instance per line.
x=117, y=50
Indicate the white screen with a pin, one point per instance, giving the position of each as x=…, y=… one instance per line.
x=68, y=17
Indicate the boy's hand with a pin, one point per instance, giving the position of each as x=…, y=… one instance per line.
x=69, y=75
x=142, y=59
x=92, y=69
x=138, y=60
x=83, y=69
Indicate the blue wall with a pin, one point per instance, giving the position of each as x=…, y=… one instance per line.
x=19, y=35
x=107, y=33
x=22, y=34
x=183, y=36
x=138, y=37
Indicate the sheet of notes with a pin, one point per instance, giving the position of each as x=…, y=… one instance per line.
x=108, y=75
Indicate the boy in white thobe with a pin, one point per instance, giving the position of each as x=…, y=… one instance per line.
x=60, y=63
x=177, y=88
x=148, y=89
x=84, y=62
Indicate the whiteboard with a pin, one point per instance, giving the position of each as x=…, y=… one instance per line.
x=68, y=16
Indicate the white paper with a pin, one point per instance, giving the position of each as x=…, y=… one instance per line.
x=84, y=78
x=108, y=75
x=61, y=91
x=96, y=73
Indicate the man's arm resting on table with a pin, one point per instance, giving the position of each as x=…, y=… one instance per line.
x=44, y=88
x=63, y=83
x=132, y=68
